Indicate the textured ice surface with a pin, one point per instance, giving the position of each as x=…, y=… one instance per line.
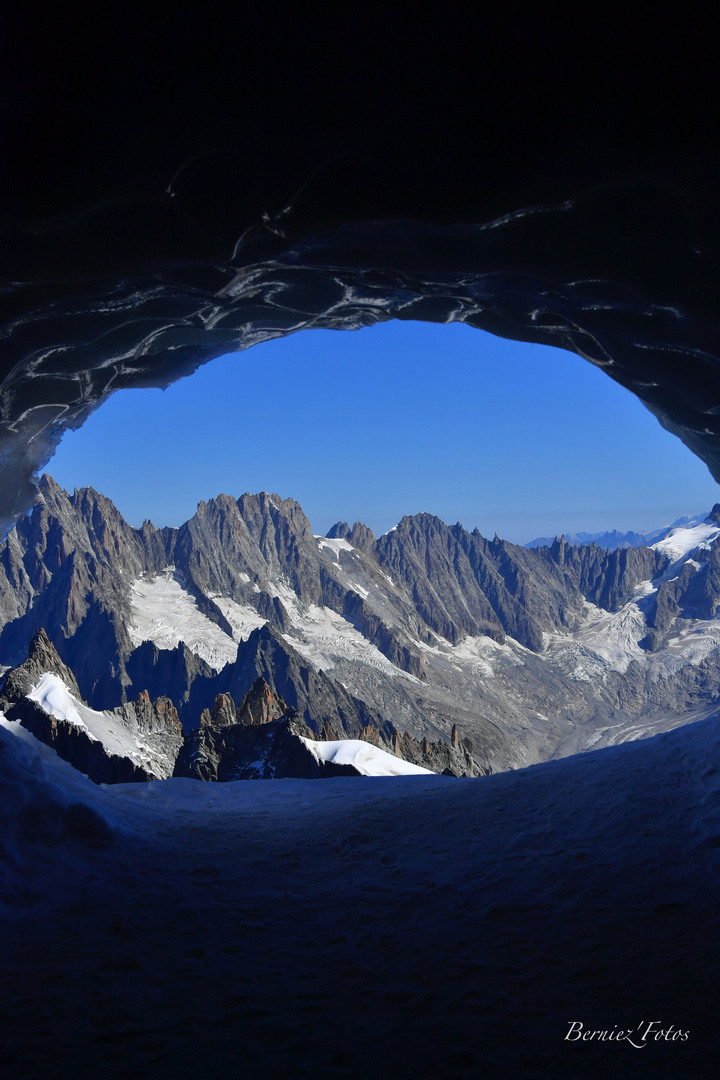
x=242, y=618
x=325, y=638
x=613, y=636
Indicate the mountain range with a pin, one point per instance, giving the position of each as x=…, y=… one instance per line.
x=610, y=540
x=214, y=649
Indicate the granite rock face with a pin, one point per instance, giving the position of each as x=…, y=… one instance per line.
x=255, y=751
x=260, y=705
x=242, y=614
x=267, y=672
x=453, y=759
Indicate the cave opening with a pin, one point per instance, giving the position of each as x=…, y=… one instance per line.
x=516, y=439
x=398, y=426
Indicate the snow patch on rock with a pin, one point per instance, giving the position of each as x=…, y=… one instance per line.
x=681, y=543
x=165, y=613
x=369, y=760
x=335, y=546
x=242, y=618
x=54, y=698
x=325, y=638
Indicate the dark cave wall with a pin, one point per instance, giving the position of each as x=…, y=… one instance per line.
x=176, y=189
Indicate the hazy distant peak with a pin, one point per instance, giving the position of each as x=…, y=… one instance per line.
x=612, y=540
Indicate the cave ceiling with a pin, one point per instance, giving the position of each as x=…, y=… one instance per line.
x=175, y=189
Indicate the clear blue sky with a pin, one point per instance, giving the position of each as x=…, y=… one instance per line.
x=390, y=420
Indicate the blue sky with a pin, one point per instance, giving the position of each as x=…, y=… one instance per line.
x=395, y=419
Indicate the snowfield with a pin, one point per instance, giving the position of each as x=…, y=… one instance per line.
x=369, y=760
x=425, y=927
x=681, y=543
x=165, y=613
x=325, y=639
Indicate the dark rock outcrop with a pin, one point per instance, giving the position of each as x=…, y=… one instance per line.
x=266, y=658
x=265, y=751
x=359, y=536
x=223, y=713
x=260, y=705
x=155, y=723
x=152, y=716
x=158, y=670
x=451, y=759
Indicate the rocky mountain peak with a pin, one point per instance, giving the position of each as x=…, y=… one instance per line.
x=223, y=712
x=48, y=487
x=359, y=536
x=362, y=537
x=155, y=715
x=42, y=659
x=339, y=531
x=260, y=705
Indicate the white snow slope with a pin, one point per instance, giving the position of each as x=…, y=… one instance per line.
x=422, y=927
x=53, y=696
x=369, y=760
x=680, y=543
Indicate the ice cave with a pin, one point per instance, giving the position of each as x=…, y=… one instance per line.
x=174, y=189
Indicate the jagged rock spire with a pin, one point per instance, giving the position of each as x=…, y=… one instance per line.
x=42, y=658
x=260, y=705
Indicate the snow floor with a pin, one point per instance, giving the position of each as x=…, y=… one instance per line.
x=417, y=926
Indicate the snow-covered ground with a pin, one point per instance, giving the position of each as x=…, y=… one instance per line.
x=419, y=926
x=325, y=639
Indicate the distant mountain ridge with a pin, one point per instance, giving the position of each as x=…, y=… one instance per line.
x=612, y=540
x=515, y=654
